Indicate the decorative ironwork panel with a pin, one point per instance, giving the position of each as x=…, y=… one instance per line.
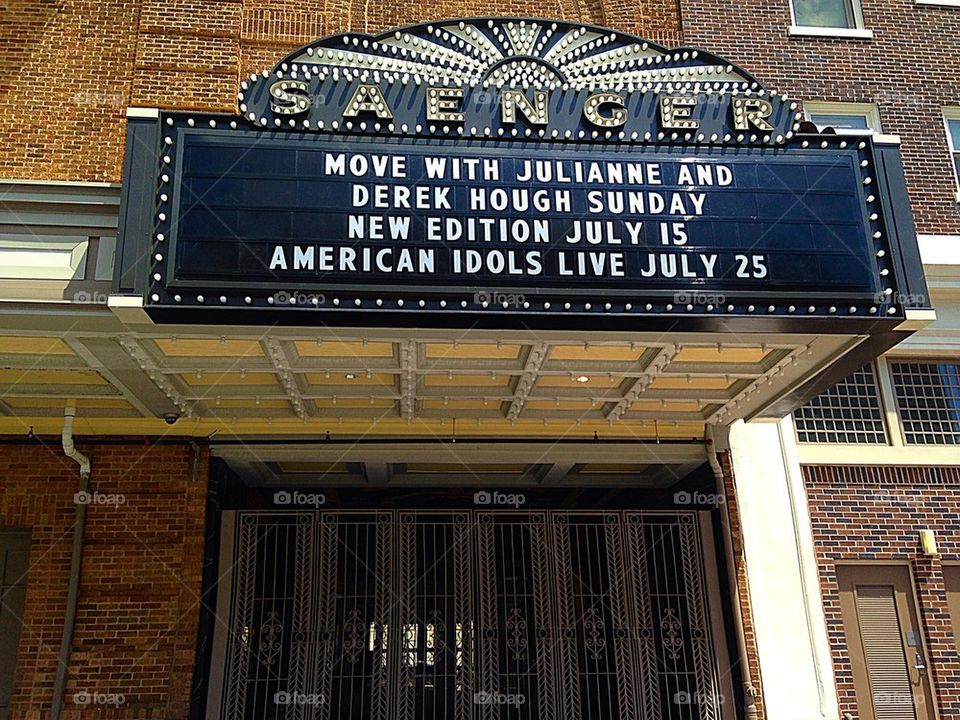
x=516, y=637
x=362, y=627
x=568, y=695
x=673, y=637
x=465, y=625
x=595, y=616
x=325, y=635
x=300, y=683
x=487, y=636
x=461, y=615
x=435, y=616
x=645, y=643
x=270, y=550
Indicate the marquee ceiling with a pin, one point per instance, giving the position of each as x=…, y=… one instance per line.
x=381, y=382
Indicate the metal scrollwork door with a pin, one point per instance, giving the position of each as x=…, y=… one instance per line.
x=469, y=615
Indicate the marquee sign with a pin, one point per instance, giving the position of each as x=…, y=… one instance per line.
x=524, y=167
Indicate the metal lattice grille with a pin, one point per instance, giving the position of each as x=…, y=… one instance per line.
x=469, y=616
x=849, y=412
x=928, y=398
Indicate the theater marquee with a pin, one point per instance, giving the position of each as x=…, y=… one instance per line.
x=521, y=168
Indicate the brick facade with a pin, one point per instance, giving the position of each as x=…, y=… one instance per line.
x=138, y=607
x=190, y=54
x=179, y=54
x=875, y=513
x=909, y=69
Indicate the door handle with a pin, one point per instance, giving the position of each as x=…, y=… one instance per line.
x=920, y=665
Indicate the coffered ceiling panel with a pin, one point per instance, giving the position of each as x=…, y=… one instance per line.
x=486, y=383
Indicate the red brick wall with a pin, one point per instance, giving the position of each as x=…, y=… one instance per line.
x=190, y=54
x=140, y=581
x=909, y=70
x=68, y=124
x=873, y=513
x=70, y=68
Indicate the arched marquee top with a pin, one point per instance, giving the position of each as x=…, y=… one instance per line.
x=528, y=52
x=515, y=78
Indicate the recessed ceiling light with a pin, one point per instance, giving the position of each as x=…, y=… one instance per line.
x=582, y=378
x=350, y=376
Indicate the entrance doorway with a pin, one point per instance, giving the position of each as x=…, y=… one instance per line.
x=468, y=614
x=890, y=671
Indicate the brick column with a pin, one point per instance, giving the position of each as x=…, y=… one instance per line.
x=733, y=512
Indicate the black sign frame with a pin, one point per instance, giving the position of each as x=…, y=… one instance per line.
x=148, y=249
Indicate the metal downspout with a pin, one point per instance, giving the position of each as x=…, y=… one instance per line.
x=73, y=590
x=749, y=690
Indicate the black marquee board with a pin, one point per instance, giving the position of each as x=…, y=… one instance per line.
x=346, y=192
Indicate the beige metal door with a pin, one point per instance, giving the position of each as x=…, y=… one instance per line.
x=951, y=579
x=890, y=670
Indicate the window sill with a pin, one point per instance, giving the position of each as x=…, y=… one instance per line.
x=828, y=32
x=942, y=3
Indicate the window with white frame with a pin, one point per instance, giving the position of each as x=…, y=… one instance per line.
x=845, y=118
x=827, y=15
x=951, y=117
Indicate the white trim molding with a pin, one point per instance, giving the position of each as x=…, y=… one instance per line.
x=829, y=32
x=939, y=249
x=917, y=320
x=952, y=114
x=942, y=3
x=886, y=139
x=868, y=111
x=129, y=309
x=143, y=112
x=925, y=455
